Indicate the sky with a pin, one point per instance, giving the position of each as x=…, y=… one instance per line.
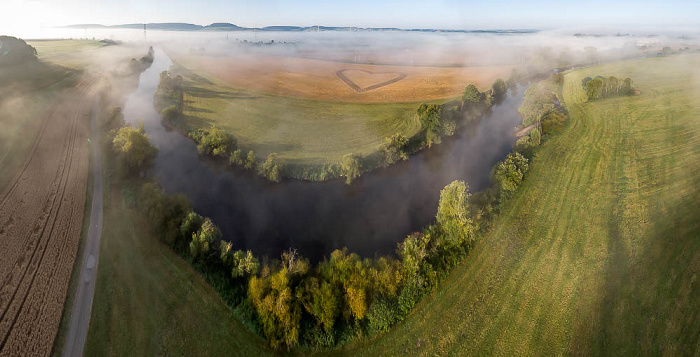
x=444, y=14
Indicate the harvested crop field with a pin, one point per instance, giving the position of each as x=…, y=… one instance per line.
x=41, y=216
x=326, y=80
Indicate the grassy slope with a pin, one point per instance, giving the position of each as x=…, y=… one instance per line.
x=301, y=131
x=149, y=301
x=599, y=252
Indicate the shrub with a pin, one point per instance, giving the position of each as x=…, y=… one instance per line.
x=553, y=121
x=382, y=314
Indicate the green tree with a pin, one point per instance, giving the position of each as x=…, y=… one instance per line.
x=471, y=97
x=499, y=88
x=430, y=118
x=395, y=149
x=114, y=119
x=134, y=151
x=216, y=142
x=203, y=239
x=594, y=88
x=190, y=225
x=242, y=264
x=453, y=214
x=271, y=168
x=321, y=301
x=419, y=276
x=274, y=298
x=250, y=160
x=351, y=167
x=509, y=174
x=236, y=157
x=626, y=87
x=166, y=212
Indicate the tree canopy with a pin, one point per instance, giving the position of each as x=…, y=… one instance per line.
x=453, y=214
x=352, y=167
x=135, y=152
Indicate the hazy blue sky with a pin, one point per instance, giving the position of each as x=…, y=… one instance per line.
x=485, y=14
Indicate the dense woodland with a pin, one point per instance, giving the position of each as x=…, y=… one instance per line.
x=293, y=303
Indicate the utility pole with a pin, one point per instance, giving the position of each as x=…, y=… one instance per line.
x=144, y=33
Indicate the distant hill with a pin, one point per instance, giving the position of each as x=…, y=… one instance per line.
x=225, y=26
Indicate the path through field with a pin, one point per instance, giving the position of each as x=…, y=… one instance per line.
x=41, y=216
x=82, y=306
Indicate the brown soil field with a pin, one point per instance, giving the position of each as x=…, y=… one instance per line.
x=327, y=80
x=41, y=216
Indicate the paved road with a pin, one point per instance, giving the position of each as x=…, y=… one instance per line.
x=82, y=305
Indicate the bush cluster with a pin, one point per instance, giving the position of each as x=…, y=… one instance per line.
x=213, y=142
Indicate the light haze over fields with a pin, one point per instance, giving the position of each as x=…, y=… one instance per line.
x=32, y=17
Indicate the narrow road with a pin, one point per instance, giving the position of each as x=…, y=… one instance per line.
x=82, y=305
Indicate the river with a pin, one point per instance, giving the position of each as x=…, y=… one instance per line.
x=369, y=217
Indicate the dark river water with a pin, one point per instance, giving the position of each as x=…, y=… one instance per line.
x=369, y=217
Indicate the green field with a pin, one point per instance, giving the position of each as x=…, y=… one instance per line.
x=69, y=53
x=149, y=301
x=599, y=252
x=300, y=131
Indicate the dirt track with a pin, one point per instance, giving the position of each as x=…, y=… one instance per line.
x=397, y=76
x=41, y=216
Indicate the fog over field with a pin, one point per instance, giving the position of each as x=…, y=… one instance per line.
x=383, y=177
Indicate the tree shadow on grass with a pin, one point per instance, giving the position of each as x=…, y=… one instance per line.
x=209, y=93
x=193, y=109
x=197, y=122
x=649, y=303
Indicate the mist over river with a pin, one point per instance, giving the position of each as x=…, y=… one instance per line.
x=369, y=217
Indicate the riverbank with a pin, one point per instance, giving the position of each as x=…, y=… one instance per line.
x=391, y=287
x=597, y=254
x=316, y=137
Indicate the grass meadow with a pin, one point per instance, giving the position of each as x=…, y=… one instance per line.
x=599, y=252
x=149, y=301
x=301, y=131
